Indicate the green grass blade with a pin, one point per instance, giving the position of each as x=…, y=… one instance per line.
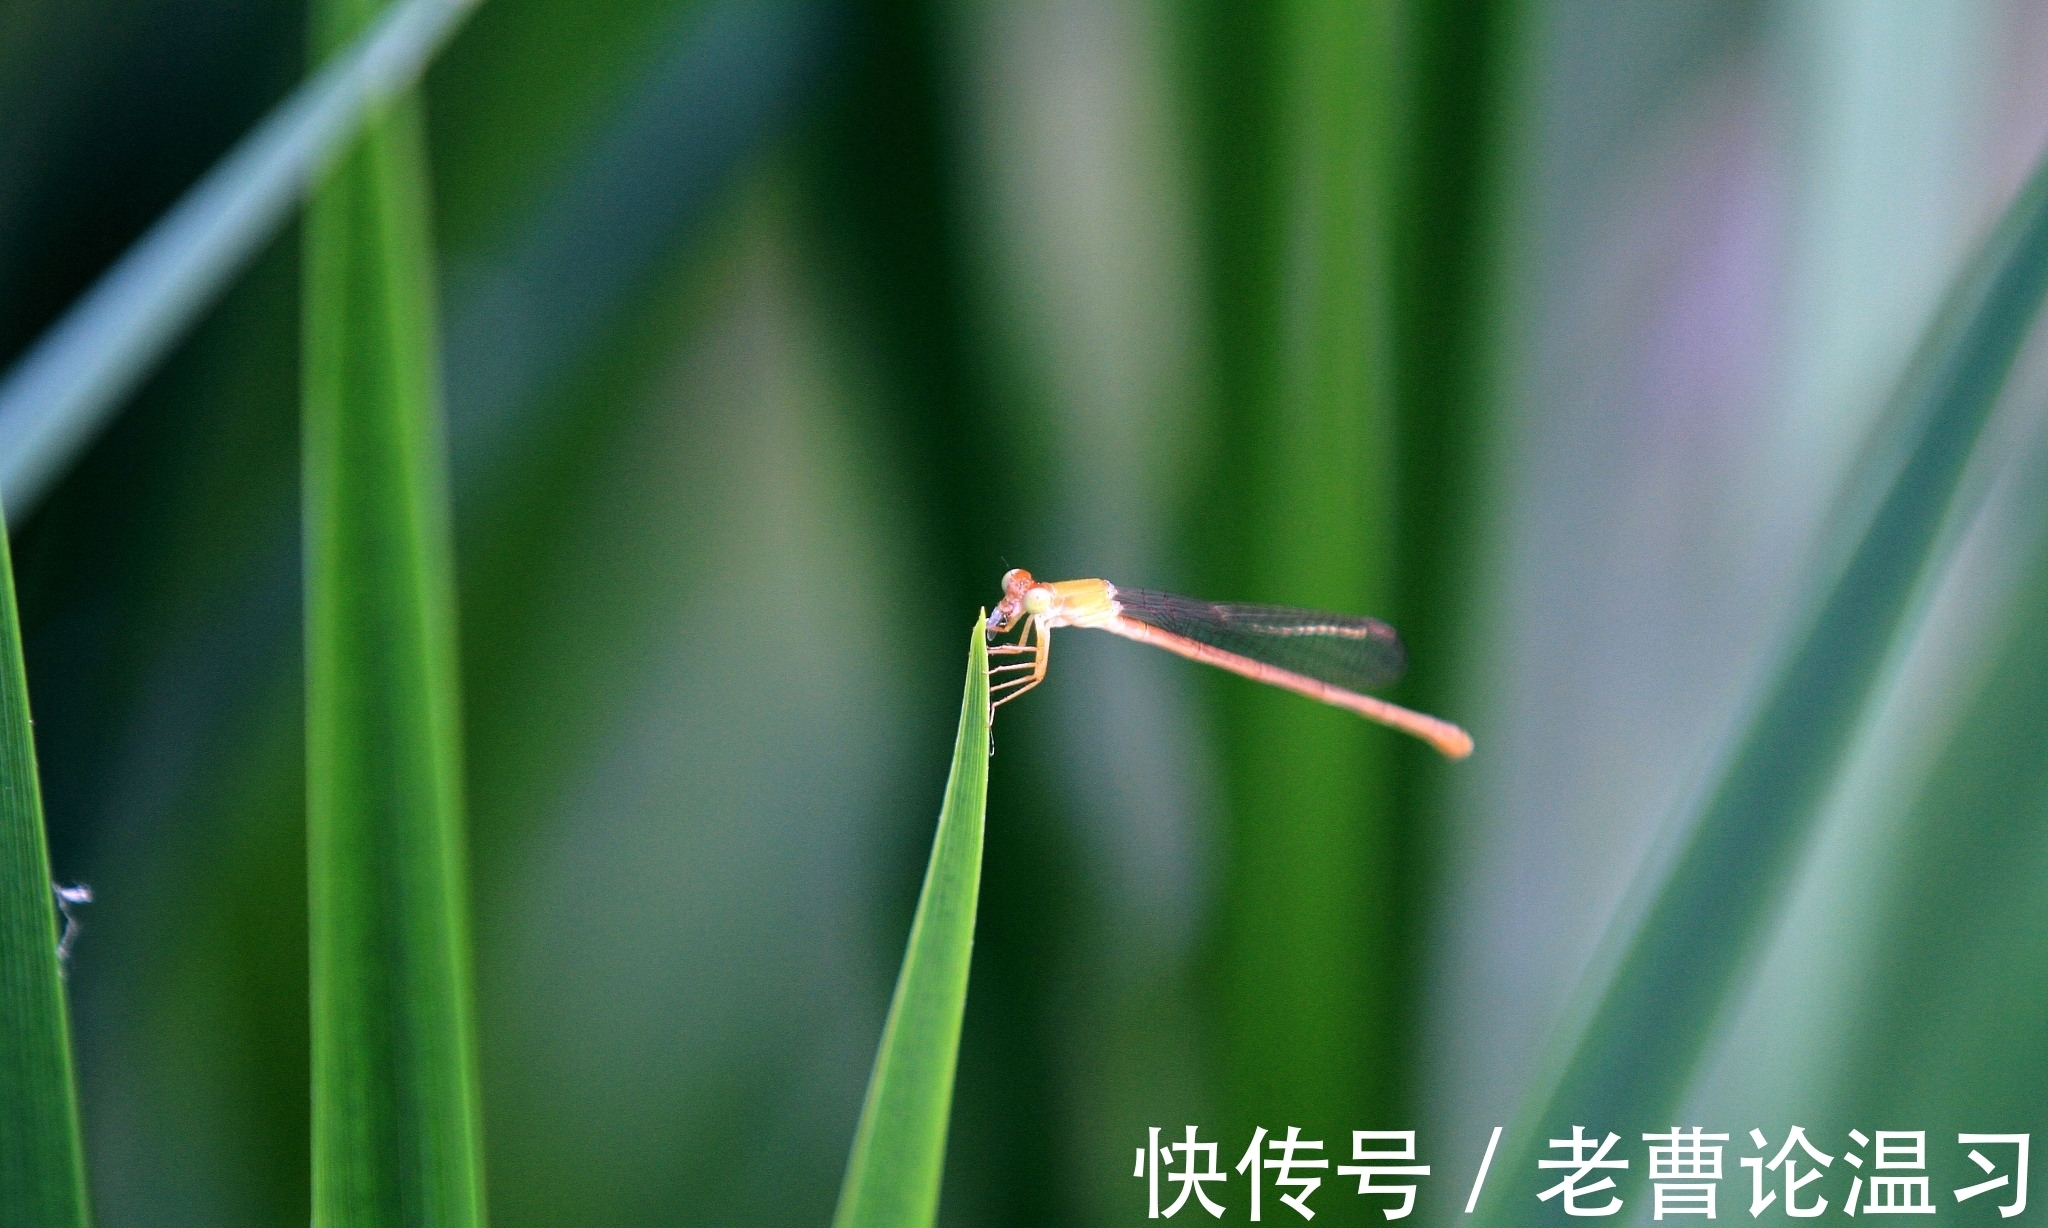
x=899, y=1149
x=1299, y=113
x=1955, y=915
x=42, y=1160
x=1641, y=1043
x=59, y=396
x=395, y=1120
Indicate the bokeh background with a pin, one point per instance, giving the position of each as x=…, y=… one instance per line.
x=776, y=330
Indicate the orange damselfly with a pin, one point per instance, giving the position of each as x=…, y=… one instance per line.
x=1329, y=657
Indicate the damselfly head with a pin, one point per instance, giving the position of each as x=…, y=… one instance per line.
x=1016, y=583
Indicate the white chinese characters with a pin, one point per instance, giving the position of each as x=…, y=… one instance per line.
x=1290, y=1164
x=2019, y=1192
x=1381, y=1168
x=1685, y=1171
x=1802, y=1174
x=1582, y=1165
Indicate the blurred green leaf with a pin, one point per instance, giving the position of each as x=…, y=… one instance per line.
x=1299, y=114
x=1459, y=101
x=395, y=1121
x=42, y=1163
x=899, y=1148
x=1687, y=947
x=62, y=393
x=1946, y=928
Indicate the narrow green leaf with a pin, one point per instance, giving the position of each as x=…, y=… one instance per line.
x=899, y=1149
x=42, y=1161
x=395, y=1121
x=1957, y=910
x=1300, y=114
x=1638, y=1050
x=60, y=395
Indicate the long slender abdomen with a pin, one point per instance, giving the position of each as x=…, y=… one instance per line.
x=1447, y=738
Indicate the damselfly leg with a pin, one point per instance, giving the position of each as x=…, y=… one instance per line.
x=1033, y=642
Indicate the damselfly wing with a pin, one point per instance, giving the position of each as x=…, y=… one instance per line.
x=1346, y=650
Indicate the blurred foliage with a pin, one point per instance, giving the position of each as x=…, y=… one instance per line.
x=1299, y=508
x=1647, y=1031
x=775, y=332
x=395, y=1117
x=1343, y=148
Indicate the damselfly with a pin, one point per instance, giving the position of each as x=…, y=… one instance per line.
x=1329, y=657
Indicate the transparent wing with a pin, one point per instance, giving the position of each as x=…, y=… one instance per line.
x=1346, y=650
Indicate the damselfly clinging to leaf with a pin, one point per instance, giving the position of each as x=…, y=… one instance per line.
x=1329, y=657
